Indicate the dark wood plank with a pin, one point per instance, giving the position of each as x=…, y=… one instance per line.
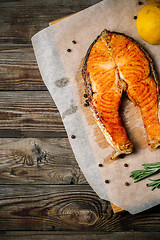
x=20, y=20
x=31, y=205
x=19, y=70
x=41, y=235
x=26, y=207
x=73, y=208
x=29, y=114
x=38, y=161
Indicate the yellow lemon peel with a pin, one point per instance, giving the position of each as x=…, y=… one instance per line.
x=148, y=23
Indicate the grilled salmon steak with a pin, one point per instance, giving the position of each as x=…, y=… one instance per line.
x=115, y=63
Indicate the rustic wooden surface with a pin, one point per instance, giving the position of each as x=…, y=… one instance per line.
x=43, y=193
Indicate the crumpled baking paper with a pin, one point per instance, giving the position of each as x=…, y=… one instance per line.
x=61, y=72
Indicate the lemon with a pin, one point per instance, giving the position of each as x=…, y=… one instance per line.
x=148, y=23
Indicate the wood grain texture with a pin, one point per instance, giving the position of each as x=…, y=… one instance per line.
x=43, y=193
x=73, y=208
x=20, y=20
x=38, y=161
x=29, y=114
x=52, y=235
x=52, y=208
x=19, y=70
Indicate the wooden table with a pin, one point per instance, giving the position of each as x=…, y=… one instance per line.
x=43, y=193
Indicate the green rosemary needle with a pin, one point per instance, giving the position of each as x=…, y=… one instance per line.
x=148, y=170
x=154, y=184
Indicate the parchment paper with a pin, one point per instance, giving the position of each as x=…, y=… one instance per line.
x=61, y=72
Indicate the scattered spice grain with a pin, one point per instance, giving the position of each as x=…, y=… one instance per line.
x=125, y=165
x=135, y=17
x=73, y=136
x=127, y=184
x=74, y=42
x=69, y=50
x=140, y=3
x=100, y=165
x=107, y=181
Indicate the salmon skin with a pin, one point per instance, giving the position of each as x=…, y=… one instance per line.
x=115, y=63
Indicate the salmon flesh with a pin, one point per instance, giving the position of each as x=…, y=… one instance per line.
x=115, y=63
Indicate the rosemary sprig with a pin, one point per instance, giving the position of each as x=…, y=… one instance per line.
x=154, y=184
x=148, y=170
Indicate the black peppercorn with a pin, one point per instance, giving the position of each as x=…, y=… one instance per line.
x=100, y=165
x=69, y=50
x=126, y=183
x=85, y=95
x=125, y=165
x=140, y=3
x=106, y=181
x=73, y=136
x=135, y=17
x=74, y=42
